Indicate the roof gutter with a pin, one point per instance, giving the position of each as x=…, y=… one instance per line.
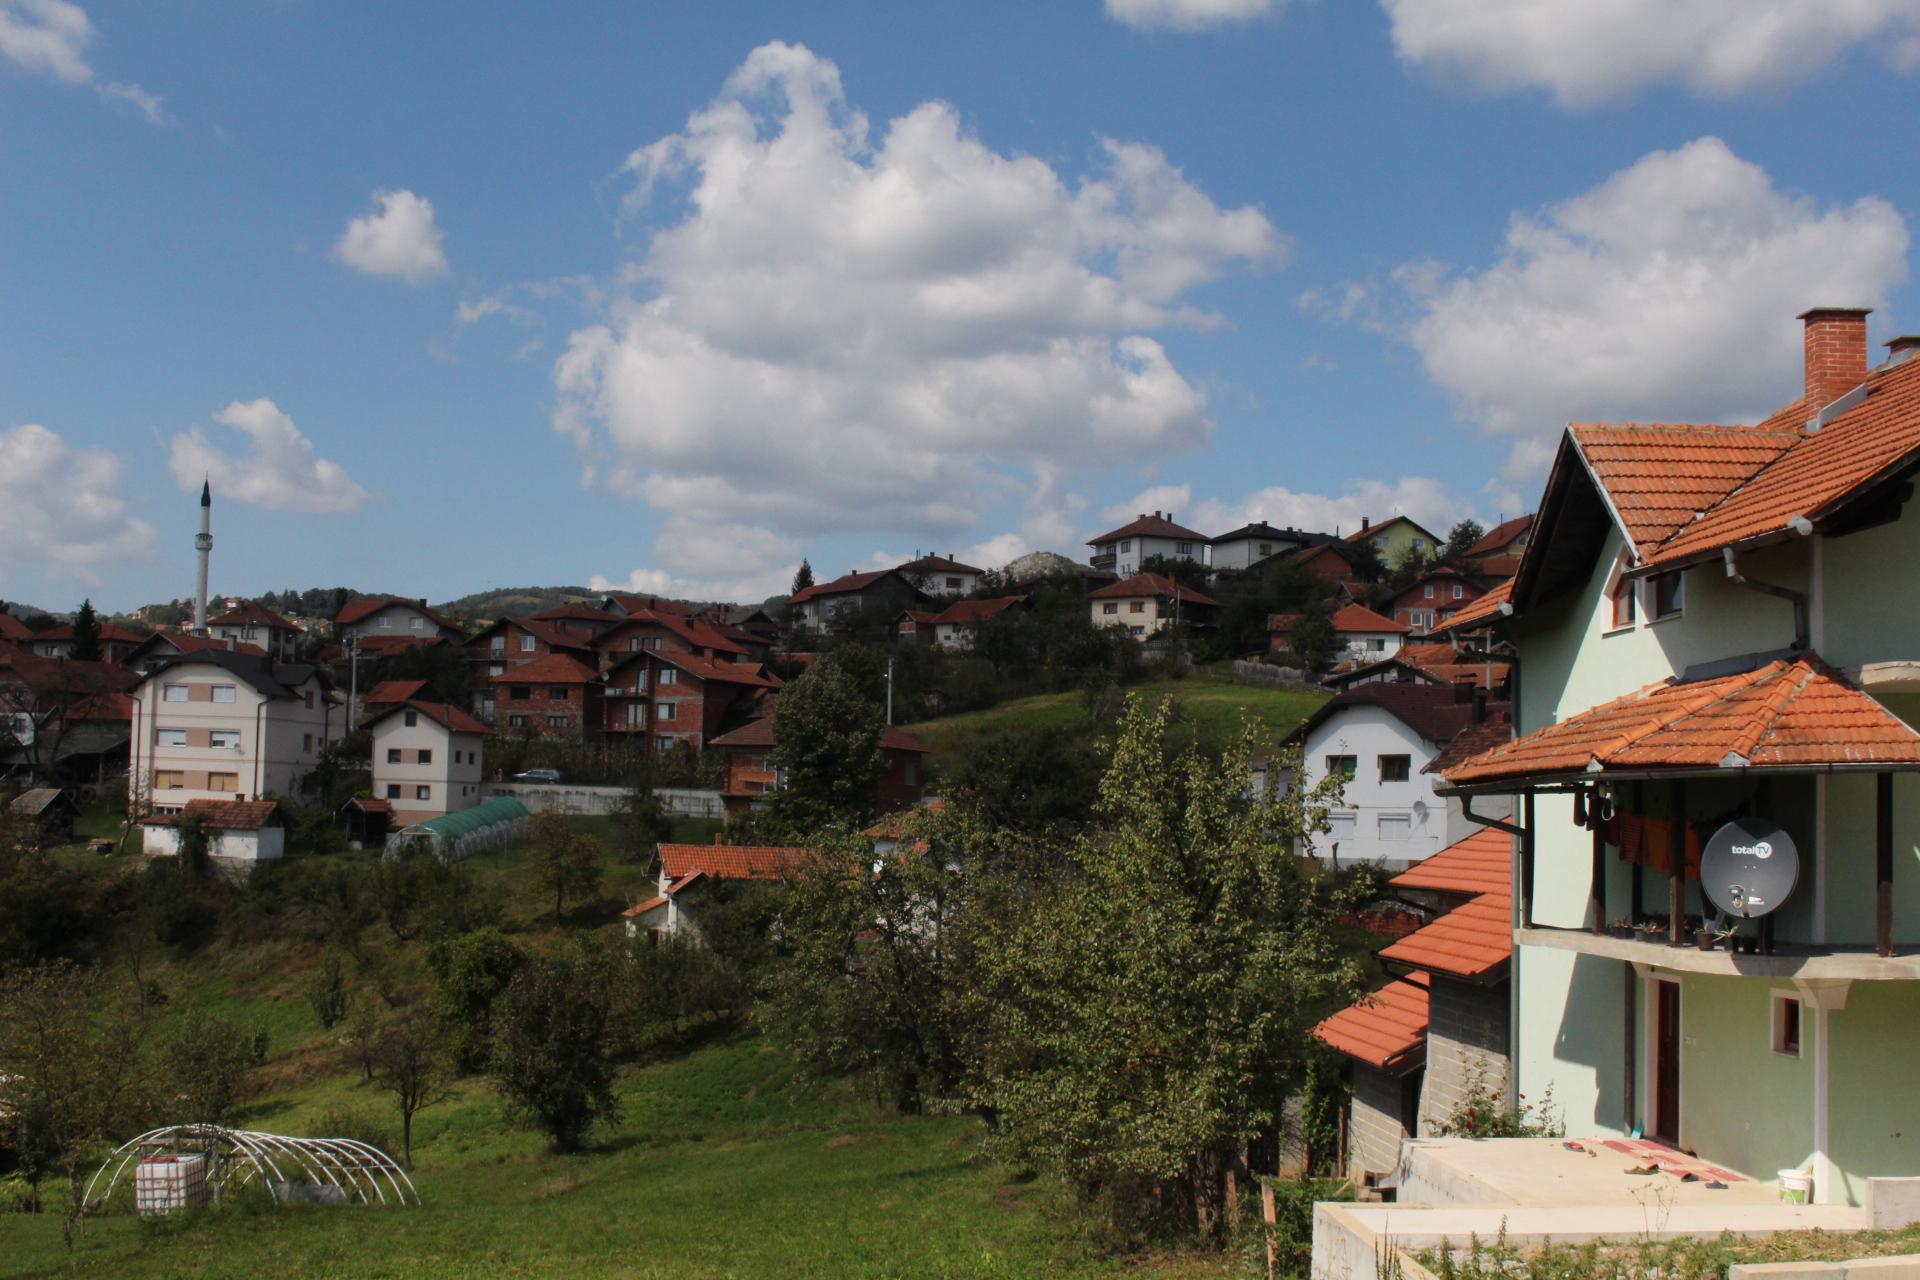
x=1567, y=783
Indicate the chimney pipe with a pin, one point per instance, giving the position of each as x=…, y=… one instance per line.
x=1901, y=349
x=1836, y=347
x=1366, y=523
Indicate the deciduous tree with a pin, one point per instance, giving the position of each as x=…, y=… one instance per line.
x=827, y=734
x=550, y=1053
x=565, y=860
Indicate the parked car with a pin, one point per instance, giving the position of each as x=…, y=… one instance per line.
x=538, y=775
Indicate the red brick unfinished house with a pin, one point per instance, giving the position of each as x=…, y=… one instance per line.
x=751, y=775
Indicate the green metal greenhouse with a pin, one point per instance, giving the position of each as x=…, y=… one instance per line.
x=498, y=821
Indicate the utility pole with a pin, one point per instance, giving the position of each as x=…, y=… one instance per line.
x=889, y=690
x=353, y=685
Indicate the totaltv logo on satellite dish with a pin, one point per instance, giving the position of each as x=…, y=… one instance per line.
x=1749, y=867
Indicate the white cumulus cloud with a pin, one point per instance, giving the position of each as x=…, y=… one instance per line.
x=1668, y=291
x=1420, y=498
x=280, y=471
x=1185, y=15
x=50, y=37
x=397, y=238
x=849, y=329
x=61, y=508
x=1587, y=52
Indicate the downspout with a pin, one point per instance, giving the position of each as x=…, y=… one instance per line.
x=1798, y=599
x=259, y=747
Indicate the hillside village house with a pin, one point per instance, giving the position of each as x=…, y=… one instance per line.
x=428, y=759
x=1433, y=598
x=1397, y=537
x=666, y=629
x=116, y=642
x=240, y=833
x=510, y=643
x=942, y=576
x=163, y=646
x=1719, y=623
x=61, y=720
x=554, y=696
x=255, y=624
x=751, y=775
x=667, y=698
x=1125, y=549
x=1436, y=663
x=1365, y=636
x=1382, y=737
x=1415, y=1045
x=221, y=725
x=1148, y=603
x=1246, y=546
x=389, y=623
x=955, y=626
x=1497, y=553
x=882, y=593
x=685, y=873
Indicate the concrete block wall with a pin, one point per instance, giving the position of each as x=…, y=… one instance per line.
x=1373, y=1131
x=1467, y=1027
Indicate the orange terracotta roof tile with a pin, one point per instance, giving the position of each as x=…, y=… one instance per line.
x=1481, y=863
x=966, y=611
x=641, y=908
x=1660, y=475
x=1387, y=1029
x=1150, y=586
x=548, y=668
x=254, y=612
x=1153, y=526
x=1487, y=609
x=1500, y=537
x=728, y=861
x=1781, y=714
x=1470, y=941
x=1357, y=618
x=222, y=815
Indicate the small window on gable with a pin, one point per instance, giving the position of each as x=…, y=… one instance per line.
x=1459, y=591
x=1785, y=1035
x=1396, y=768
x=1669, y=594
x=413, y=718
x=1625, y=603
x=1428, y=592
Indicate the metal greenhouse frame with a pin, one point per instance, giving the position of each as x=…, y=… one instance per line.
x=465, y=832
x=327, y=1170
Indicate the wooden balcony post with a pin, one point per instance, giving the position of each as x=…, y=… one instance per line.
x=1677, y=864
x=1883, y=864
x=1597, y=891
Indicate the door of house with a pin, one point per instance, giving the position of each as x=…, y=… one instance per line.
x=1666, y=1061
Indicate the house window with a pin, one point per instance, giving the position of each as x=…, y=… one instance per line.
x=668, y=676
x=168, y=779
x=1625, y=603
x=667, y=711
x=1395, y=826
x=1377, y=644
x=223, y=782
x=559, y=722
x=1340, y=826
x=393, y=791
x=1136, y=631
x=1345, y=766
x=170, y=738
x=657, y=643
x=1136, y=606
x=412, y=718
x=417, y=623
x=1396, y=768
x=1669, y=595
x=1109, y=608
x=228, y=738
x=1126, y=544
x=496, y=668
x=1427, y=591
x=426, y=756
x=1785, y=1036
x=516, y=722
x=1266, y=549
x=393, y=755
x=526, y=644
x=633, y=644
x=1459, y=591
x=423, y=793
x=558, y=693
x=173, y=692
x=386, y=623
x=499, y=643
x=953, y=584
x=306, y=743
x=1183, y=548
x=519, y=692
x=223, y=693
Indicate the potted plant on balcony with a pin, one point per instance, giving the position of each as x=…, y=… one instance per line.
x=1704, y=939
x=1621, y=928
x=1728, y=937
x=1651, y=929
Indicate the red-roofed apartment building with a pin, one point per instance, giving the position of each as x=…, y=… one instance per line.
x=554, y=696
x=669, y=698
x=1124, y=550
x=881, y=594
x=941, y=576
x=1497, y=553
x=1366, y=636
x=1718, y=623
x=1433, y=598
x=116, y=642
x=751, y=774
x=1415, y=1046
x=427, y=759
x=500, y=649
x=255, y=624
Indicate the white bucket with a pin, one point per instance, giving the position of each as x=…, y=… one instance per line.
x=1796, y=1186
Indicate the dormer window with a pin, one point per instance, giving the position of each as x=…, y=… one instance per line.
x=1625, y=605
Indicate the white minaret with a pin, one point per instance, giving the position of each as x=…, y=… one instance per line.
x=204, y=545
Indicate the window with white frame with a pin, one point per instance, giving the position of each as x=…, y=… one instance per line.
x=526, y=644
x=1395, y=826
x=223, y=693
x=173, y=693
x=667, y=711
x=170, y=737
x=1427, y=591
x=668, y=676
x=1340, y=826
x=227, y=738
x=418, y=623
x=1459, y=591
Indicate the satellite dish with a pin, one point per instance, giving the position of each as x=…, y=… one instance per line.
x=1749, y=867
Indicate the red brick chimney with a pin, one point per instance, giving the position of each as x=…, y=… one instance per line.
x=1836, y=352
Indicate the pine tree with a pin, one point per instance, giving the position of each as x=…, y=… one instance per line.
x=802, y=577
x=86, y=634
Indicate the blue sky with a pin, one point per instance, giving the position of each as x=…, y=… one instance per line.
x=447, y=297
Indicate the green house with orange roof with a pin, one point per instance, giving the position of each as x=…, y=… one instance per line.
x=1716, y=909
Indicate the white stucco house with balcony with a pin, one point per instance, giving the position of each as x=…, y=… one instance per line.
x=1125, y=549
